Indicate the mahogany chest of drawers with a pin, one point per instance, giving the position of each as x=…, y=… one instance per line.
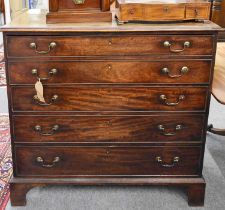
x=125, y=105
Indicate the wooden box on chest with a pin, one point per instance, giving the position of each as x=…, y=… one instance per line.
x=162, y=10
x=75, y=11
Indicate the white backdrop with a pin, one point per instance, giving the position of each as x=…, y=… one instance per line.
x=7, y=11
x=42, y=4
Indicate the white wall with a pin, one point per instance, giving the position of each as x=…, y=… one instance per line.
x=3, y=100
x=42, y=4
x=3, y=92
x=7, y=11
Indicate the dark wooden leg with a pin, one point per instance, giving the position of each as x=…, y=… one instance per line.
x=217, y=131
x=196, y=194
x=18, y=193
x=195, y=186
x=221, y=36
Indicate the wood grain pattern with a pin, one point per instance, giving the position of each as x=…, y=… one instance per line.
x=105, y=5
x=123, y=161
x=196, y=11
x=108, y=45
x=196, y=194
x=218, y=86
x=79, y=17
x=36, y=25
x=110, y=71
x=218, y=12
x=97, y=120
x=162, y=11
x=70, y=5
x=53, y=5
x=18, y=193
x=68, y=11
x=142, y=12
x=191, y=183
x=108, y=128
x=111, y=99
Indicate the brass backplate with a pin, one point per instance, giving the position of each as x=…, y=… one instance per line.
x=78, y=1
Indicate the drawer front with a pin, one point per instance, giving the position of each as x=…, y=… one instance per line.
x=176, y=71
x=131, y=12
x=198, y=12
x=150, y=13
x=154, y=128
x=111, y=99
x=165, y=12
x=27, y=46
x=100, y=161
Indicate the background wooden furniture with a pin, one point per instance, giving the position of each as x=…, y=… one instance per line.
x=125, y=105
x=74, y=11
x=218, y=88
x=2, y=11
x=218, y=15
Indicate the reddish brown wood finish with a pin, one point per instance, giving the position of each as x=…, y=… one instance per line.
x=18, y=193
x=217, y=16
x=105, y=5
x=157, y=11
x=67, y=11
x=218, y=12
x=123, y=129
x=198, y=12
x=88, y=4
x=111, y=72
x=196, y=194
x=53, y=5
x=95, y=161
x=108, y=45
x=136, y=53
x=138, y=12
x=69, y=17
x=111, y=99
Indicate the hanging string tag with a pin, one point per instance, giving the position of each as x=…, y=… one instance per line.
x=40, y=90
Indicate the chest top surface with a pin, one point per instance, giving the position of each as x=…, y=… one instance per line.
x=35, y=21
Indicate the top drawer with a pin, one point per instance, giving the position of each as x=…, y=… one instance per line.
x=136, y=45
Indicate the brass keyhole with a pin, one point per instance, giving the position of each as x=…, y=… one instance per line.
x=131, y=11
x=79, y=1
x=166, y=9
x=196, y=13
x=109, y=67
x=109, y=123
